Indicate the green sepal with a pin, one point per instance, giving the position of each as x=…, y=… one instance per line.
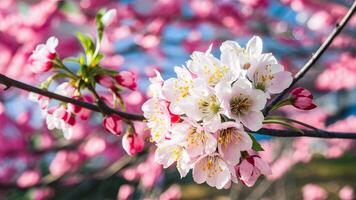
x=45, y=84
x=256, y=146
x=283, y=102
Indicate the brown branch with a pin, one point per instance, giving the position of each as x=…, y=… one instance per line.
x=300, y=74
x=14, y=83
x=307, y=133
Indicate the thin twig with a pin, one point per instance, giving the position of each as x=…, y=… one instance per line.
x=315, y=57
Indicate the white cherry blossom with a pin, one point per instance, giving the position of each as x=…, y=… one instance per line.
x=203, y=104
x=175, y=90
x=269, y=76
x=242, y=103
x=213, y=170
x=232, y=139
x=211, y=69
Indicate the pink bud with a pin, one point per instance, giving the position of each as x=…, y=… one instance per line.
x=251, y=168
x=314, y=192
x=302, y=99
x=112, y=124
x=105, y=81
x=42, y=56
x=2, y=87
x=108, y=17
x=126, y=79
x=346, y=193
x=43, y=193
x=132, y=143
x=28, y=178
x=125, y=192
x=75, y=108
x=68, y=118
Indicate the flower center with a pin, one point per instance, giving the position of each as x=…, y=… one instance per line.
x=212, y=165
x=260, y=80
x=239, y=105
x=176, y=153
x=228, y=136
x=195, y=136
x=209, y=106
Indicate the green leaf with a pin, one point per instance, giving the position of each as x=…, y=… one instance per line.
x=45, y=84
x=97, y=59
x=88, y=46
x=71, y=59
x=256, y=146
x=99, y=24
x=81, y=60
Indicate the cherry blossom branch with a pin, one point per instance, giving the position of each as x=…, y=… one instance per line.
x=129, y=116
x=300, y=74
x=14, y=83
x=306, y=133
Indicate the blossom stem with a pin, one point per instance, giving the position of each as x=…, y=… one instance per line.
x=300, y=74
x=292, y=120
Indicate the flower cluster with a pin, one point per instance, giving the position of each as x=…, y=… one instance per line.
x=63, y=116
x=199, y=118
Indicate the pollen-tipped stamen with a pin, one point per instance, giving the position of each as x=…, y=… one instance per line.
x=240, y=105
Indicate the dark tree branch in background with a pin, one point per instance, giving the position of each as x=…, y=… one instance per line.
x=271, y=132
x=315, y=57
x=307, y=133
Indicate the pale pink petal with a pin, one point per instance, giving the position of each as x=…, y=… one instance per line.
x=253, y=120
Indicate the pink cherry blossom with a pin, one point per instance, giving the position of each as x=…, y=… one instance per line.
x=28, y=178
x=125, y=192
x=43, y=193
x=251, y=168
x=302, y=99
x=60, y=118
x=42, y=101
x=346, y=193
x=42, y=56
x=112, y=124
x=105, y=81
x=2, y=87
x=65, y=161
x=232, y=139
x=126, y=79
x=213, y=170
x=94, y=146
x=314, y=192
x=132, y=143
